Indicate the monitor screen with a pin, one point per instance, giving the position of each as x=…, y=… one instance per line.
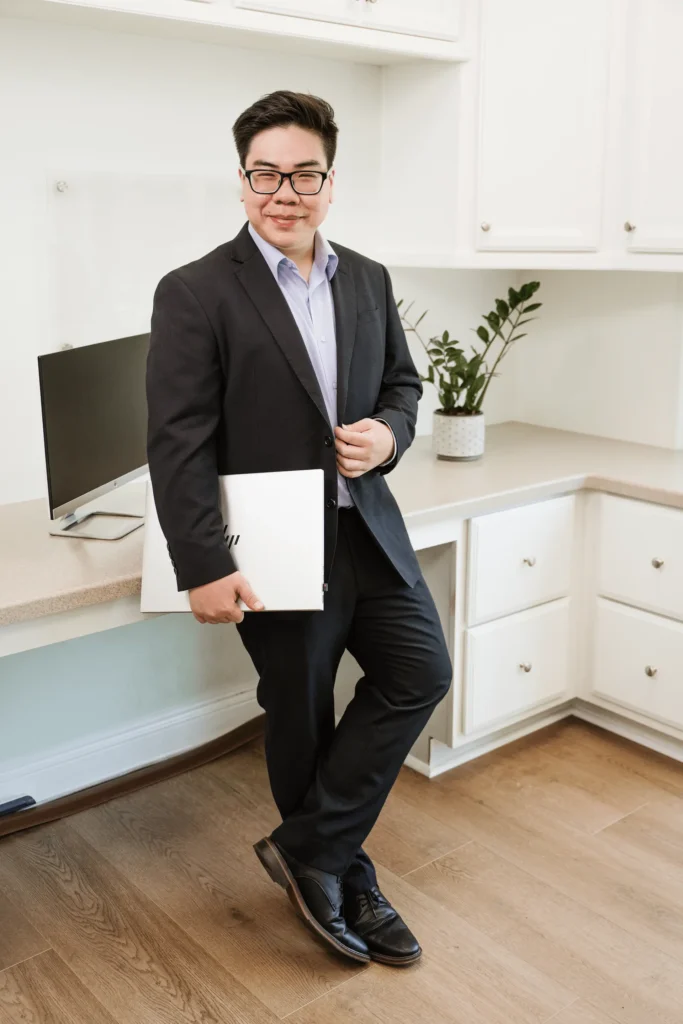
x=94, y=415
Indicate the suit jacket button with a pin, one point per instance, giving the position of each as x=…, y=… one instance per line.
x=328, y=441
x=331, y=503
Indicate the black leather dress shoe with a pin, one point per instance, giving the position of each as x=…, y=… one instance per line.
x=317, y=897
x=386, y=934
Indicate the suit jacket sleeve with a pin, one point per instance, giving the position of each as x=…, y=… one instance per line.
x=184, y=381
x=401, y=385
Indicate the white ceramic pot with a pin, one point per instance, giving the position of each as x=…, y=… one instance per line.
x=458, y=438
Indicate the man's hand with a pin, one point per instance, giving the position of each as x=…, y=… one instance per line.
x=217, y=602
x=361, y=446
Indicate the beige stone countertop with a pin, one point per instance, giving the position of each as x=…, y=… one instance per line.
x=41, y=574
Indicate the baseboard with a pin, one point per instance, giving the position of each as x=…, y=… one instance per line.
x=111, y=754
x=444, y=758
x=637, y=732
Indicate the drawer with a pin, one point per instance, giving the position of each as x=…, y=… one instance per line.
x=519, y=557
x=640, y=554
x=514, y=664
x=638, y=661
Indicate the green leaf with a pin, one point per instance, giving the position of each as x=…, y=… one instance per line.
x=420, y=317
x=483, y=334
x=516, y=338
x=493, y=320
x=527, y=321
x=444, y=337
x=398, y=304
x=513, y=297
x=503, y=309
x=532, y=307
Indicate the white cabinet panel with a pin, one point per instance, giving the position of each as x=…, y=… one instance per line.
x=347, y=11
x=427, y=18
x=640, y=554
x=654, y=126
x=542, y=124
x=519, y=557
x=638, y=661
x=516, y=663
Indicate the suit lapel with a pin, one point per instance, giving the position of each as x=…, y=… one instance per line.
x=257, y=280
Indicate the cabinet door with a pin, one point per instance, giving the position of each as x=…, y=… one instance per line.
x=653, y=217
x=640, y=554
x=428, y=18
x=637, y=661
x=346, y=11
x=515, y=664
x=543, y=95
x=519, y=557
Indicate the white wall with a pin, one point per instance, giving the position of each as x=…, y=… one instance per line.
x=87, y=101
x=455, y=300
x=605, y=356
x=84, y=101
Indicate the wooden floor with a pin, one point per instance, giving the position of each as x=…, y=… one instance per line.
x=544, y=882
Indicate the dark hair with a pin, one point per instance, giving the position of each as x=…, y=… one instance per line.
x=283, y=108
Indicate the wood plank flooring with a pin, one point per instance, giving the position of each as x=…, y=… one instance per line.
x=544, y=881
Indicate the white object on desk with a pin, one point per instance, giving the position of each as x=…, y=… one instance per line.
x=275, y=528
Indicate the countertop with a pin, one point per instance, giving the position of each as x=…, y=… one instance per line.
x=41, y=574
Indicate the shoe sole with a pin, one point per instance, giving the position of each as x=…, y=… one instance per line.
x=278, y=869
x=396, y=961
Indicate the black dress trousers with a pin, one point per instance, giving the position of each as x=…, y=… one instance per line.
x=329, y=784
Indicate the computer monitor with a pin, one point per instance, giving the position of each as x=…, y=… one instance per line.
x=94, y=409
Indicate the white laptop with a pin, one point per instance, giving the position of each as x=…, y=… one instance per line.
x=275, y=531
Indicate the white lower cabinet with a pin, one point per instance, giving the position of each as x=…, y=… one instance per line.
x=515, y=664
x=640, y=554
x=519, y=557
x=638, y=661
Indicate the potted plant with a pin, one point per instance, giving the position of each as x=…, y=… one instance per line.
x=462, y=382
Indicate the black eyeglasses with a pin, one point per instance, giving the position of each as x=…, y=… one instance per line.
x=304, y=183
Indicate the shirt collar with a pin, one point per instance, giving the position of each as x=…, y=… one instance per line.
x=325, y=258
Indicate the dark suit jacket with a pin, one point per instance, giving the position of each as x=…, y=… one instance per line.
x=231, y=389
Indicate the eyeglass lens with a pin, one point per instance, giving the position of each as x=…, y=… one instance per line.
x=305, y=182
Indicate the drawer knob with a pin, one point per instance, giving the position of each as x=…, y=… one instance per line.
x=658, y=562
x=650, y=671
x=526, y=666
x=530, y=561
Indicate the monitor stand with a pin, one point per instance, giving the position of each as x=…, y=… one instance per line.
x=96, y=525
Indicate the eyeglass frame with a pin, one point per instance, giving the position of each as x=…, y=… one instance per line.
x=286, y=174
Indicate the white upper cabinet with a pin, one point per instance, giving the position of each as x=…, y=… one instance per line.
x=427, y=18
x=653, y=128
x=542, y=123
x=345, y=11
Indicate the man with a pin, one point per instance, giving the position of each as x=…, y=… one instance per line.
x=281, y=351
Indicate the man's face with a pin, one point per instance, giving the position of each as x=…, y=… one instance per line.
x=286, y=219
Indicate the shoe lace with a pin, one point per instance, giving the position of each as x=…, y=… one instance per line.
x=375, y=899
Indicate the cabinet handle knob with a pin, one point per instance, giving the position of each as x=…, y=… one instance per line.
x=658, y=562
x=629, y=227
x=485, y=226
x=525, y=665
x=650, y=671
x=529, y=561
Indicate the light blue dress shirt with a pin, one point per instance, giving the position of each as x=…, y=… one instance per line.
x=312, y=306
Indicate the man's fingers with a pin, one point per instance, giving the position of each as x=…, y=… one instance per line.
x=249, y=597
x=353, y=465
x=355, y=437
x=352, y=451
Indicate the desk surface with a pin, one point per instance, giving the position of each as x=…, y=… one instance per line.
x=41, y=574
